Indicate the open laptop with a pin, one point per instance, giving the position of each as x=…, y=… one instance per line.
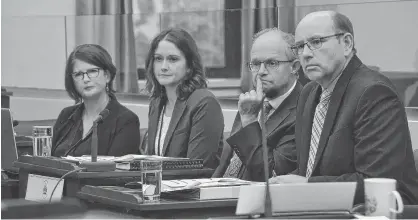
x=8, y=144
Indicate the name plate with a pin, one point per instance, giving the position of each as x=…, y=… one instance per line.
x=39, y=188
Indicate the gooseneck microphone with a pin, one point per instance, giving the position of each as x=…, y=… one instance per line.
x=94, y=165
x=94, y=138
x=267, y=198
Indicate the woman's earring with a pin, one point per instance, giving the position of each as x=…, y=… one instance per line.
x=107, y=87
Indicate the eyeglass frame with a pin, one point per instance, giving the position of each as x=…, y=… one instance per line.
x=86, y=73
x=265, y=66
x=295, y=47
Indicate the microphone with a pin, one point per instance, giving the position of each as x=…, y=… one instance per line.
x=94, y=165
x=94, y=139
x=267, y=198
x=102, y=115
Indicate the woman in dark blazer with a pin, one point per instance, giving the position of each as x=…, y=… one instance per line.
x=185, y=118
x=89, y=75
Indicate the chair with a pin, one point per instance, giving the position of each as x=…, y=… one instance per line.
x=143, y=141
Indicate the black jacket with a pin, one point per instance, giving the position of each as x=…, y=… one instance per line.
x=118, y=134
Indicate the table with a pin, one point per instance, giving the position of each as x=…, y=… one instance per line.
x=75, y=181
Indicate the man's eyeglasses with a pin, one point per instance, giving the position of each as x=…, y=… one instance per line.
x=313, y=44
x=268, y=64
x=91, y=73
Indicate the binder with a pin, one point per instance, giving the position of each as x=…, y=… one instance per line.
x=135, y=165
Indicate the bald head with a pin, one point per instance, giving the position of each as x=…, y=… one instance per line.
x=328, y=20
x=320, y=22
x=278, y=40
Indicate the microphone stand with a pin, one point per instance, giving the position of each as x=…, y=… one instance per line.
x=94, y=142
x=267, y=198
x=94, y=165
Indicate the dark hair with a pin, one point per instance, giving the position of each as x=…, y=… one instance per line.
x=343, y=24
x=95, y=55
x=194, y=79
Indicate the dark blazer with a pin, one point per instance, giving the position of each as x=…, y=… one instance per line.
x=365, y=133
x=280, y=129
x=195, y=129
x=118, y=134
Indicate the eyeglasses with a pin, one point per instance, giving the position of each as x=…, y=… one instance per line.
x=270, y=64
x=91, y=73
x=313, y=44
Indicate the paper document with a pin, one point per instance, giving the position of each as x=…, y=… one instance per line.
x=88, y=158
x=182, y=184
x=126, y=158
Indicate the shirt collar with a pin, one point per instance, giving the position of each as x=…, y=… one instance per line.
x=275, y=103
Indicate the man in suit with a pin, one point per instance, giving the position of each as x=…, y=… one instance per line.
x=350, y=122
x=274, y=68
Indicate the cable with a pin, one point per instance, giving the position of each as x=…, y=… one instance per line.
x=62, y=177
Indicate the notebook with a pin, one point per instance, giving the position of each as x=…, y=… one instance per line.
x=171, y=164
x=8, y=144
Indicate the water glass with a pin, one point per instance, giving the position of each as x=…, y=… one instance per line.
x=151, y=178
x=42, y=141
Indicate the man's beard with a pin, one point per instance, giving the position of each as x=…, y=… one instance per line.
x=271, y=93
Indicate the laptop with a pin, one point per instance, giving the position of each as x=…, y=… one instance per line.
x=8, y=144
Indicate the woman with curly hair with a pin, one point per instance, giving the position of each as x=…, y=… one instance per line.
x=185, y=118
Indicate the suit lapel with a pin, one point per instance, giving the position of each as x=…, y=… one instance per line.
x=68, y=123
x=334, y=105
x=308, y=116
x=178, y=111
x=153, y=123
x=283, y=111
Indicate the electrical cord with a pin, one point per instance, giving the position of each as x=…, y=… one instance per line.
x=62, y=177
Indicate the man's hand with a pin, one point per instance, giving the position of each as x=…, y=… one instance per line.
x=290, y=178
x=249, y=104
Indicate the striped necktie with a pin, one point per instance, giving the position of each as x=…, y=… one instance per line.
x=236, y=163
x=267, y=110
x=318, y=123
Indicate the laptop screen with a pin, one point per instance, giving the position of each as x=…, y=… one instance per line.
x=8, y=144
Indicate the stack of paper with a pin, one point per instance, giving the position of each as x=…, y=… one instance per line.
x=126, y=158
x=212, y=188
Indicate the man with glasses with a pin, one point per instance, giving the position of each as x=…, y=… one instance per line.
x=350, y=122
x=274, y=69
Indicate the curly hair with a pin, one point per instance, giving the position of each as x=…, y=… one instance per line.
x=95, y=55
x=194, y=79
